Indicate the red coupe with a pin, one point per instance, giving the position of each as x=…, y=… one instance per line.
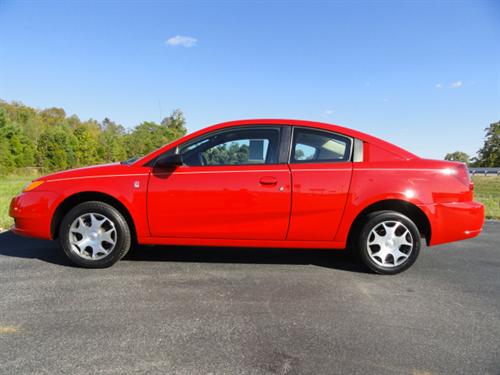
x=257, y=183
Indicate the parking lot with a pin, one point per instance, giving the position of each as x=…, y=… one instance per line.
x=249, y=311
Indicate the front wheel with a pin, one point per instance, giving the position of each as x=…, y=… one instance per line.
x=389, y=242
x=94, y=235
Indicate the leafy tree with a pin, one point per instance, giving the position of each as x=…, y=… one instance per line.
x=55, y=148
x=85, y=149
x=148, y=136
x=145, y=138
x=16, y=146
x=458, y=156
x=53, y=116
x=73, y=121
x=6, y=158
x=228, y=153
x=49, y=138
x=176, y=124
x=28, y=156
x=489, y=154
x=111, y=142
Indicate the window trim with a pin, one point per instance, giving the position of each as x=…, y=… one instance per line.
x=292, y=139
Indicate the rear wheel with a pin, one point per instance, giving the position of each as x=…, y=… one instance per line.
x=94, y=235
x=389, y=242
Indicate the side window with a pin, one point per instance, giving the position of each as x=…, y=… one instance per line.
x=311, y=146
x=234, y=147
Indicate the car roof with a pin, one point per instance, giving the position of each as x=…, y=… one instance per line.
x=285, y=122
x=318, y=125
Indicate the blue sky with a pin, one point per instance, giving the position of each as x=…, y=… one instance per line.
x=424, y=75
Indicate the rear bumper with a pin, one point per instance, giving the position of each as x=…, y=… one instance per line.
x=455, y=221
x=32, y=212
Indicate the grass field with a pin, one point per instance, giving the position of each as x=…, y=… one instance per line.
x=9, y=187
x=487, y=191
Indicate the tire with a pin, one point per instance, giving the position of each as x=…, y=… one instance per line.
x=389, y=242
x=94, y=235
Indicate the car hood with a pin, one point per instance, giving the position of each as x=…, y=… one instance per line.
x=94, y=170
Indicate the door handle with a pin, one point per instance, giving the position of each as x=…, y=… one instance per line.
x=268, y=180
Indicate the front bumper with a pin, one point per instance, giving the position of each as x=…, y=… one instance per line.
x=455, y=221
x=32, y=213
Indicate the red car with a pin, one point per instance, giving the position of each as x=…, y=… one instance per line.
x=257, y=183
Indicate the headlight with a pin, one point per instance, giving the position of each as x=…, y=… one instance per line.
x=32, y=185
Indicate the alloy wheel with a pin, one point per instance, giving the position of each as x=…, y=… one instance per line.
x=92, y=236
x=389, y=244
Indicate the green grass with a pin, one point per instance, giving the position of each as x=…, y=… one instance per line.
x=9, y=187
x=486, y=190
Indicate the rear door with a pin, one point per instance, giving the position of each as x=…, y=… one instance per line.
x=320, y=162
x=231, y=187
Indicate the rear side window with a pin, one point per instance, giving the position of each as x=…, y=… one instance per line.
x=311, y=146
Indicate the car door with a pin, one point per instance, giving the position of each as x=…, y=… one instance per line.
x=320, y=162
x=231, y=186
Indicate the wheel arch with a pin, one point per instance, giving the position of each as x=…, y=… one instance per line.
x=71, y=201
x=404, y=207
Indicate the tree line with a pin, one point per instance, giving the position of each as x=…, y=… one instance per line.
x=51, y=140
x=488, y=155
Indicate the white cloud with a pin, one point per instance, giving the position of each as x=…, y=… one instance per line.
x=452, y=85
x=181, y=40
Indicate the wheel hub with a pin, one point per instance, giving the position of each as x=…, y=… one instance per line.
x=92, y=236
x=389, y=244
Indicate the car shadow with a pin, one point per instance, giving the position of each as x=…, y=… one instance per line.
x=15, y=246
x=12, y=245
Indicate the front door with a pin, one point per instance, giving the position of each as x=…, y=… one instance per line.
x=231, y=186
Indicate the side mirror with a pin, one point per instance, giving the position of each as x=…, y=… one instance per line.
x=169, y=161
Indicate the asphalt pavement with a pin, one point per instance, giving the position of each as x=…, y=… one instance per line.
x=183, y=310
